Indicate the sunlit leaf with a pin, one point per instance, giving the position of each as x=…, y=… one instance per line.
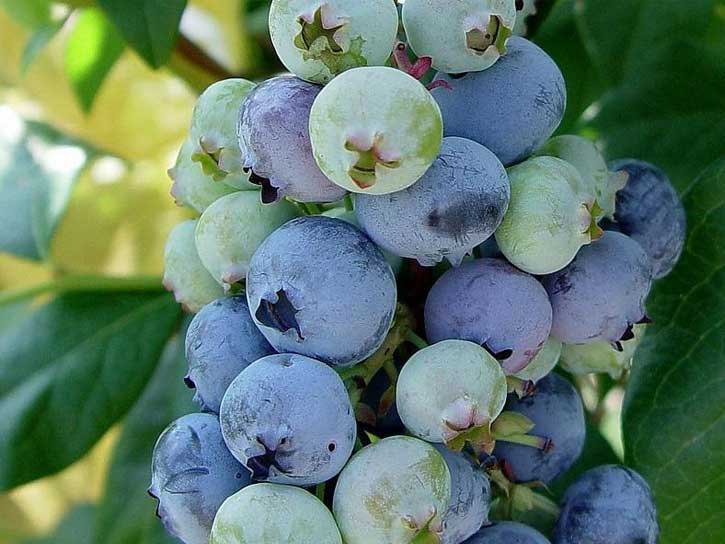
x=92, y=49
x=38, y=168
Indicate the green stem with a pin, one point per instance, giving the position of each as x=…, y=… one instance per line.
x=348, y=203
x=314, y=208
x=391, y=371
x=365, y=371
x=83, y=283
x=416, y=340
x=544, y=504
x=320, y=491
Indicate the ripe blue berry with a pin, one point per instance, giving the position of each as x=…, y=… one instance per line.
x=510, y=114
x=457, y=204
x=491, y=303
x=221, y=341
x=319, y=287
x=601, y=294
x=649, y=210
x=395, y=262
x=508, y=532
x=608, y=505
x=193, y=473
x=288, y=418
x=470, y=497
x=557, y=412
x=275, y=141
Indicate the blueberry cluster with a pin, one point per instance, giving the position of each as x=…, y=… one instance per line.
x=386, y=273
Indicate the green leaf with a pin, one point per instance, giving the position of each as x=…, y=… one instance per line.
x=38, y=169
x=29, y=13
x=69, y=370
x=150, y=27
x=92, y=49
x=76, y=527
x=559, y=37
x=38, y=41
x=126, y=513
x=674, y=422
x=666, y=59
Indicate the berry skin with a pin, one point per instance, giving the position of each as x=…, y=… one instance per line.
x=557, y=412
x=319, y=40
x=288, y=418
x=601, y=357
x=231, y=229
x=271, y=514
x=191, y=186
x=457, y=204
x=467, y=36
x=600, y=296
x=607, y=505
x=470, y=497
x=193, y=473
x=319, y=287
x=221, y=341
x=509, y=114
x=463, y=386
x=375, y=130
x=548, y=218
x=214, y=131
x=650, y=211
x=274, y=139
x=508, y=532
x=543, y=363
x=586, y=158
x=494, y=305
x=395, y=262
x=393, y=491
x=184, y=273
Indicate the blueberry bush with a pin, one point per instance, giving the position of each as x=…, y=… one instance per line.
x=98, y=96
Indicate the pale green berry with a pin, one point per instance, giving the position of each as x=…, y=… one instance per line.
x=273, y=514
x=462, y=36
x=395, y=491
x=464, y=389
x=543, y=363
x=586, y=158
x=375, y=130
x=192, y=187
x=214, y=132
x=319, y=40
x=395, y=262
x=601, y=357
x=184, y=274
x=231, y=229
x=548, y=218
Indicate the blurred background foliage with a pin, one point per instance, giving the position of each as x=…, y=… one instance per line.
x=95, y=100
